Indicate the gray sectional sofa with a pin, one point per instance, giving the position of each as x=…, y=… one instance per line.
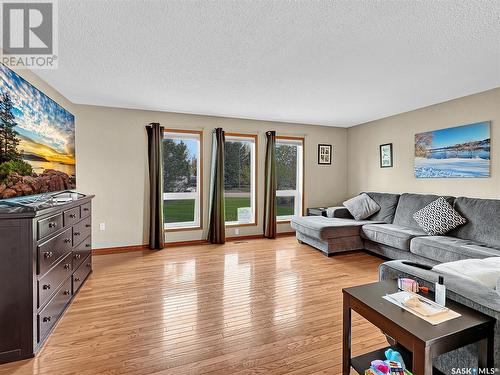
x=393, y=233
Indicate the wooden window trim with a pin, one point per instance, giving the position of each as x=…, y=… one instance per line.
x=256, y=188
x=303, y=141
x=200, y=183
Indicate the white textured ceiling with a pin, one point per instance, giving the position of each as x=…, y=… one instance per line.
x=321, y=62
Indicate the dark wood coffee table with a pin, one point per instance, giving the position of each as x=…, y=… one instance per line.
x=418, y=341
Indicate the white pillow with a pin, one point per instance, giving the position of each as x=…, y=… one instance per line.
x=361, y=206
x=484, y=271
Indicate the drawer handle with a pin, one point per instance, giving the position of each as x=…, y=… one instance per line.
x=52, y=224
x=67, y=266
x=89, y=265
x=87, y=245
x=48, y=254
x=46, y=318
x=72, y=216
x=66, y=292
x=87, y=225
x=77, y=256
x=76, y=234
x=67, y=240
x=85, y=209
x=77, y=279
x=46, y=286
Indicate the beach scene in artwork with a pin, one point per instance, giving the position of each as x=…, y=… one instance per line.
x=37, y=140
x=462, y=151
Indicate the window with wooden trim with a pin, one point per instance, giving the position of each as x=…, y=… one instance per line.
x=182, y=179
x=289, y=177
x=240, y=179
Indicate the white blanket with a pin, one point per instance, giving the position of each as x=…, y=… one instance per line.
x=484, y=271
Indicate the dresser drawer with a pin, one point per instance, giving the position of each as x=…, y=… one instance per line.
x=81, y=252
x=51, y=313
x=81, y=273
x=49, y=252
x=49, y=225
x=48, y=284
x=85, y=209
x=81, y=231
x=71, y=216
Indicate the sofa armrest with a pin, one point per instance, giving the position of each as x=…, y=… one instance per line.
x=338, y=212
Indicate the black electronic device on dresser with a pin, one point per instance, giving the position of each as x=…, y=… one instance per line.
x=45, y=257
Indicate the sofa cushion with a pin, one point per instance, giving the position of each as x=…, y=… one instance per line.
x=438, y=217
x=390, y=234
x=409, y=204
x=483, y=271
x=483, y=220
x=361, y=206
x=325, y=227
x=388, y=203
x=448, y=249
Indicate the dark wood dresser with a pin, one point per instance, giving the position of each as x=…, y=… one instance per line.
x=45, y=257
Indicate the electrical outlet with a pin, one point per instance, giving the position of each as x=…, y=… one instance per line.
x=102, y=226
x=236, y=230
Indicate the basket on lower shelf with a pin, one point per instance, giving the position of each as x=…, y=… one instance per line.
x=362, y=362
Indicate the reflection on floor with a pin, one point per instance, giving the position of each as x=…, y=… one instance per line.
x=255, y=307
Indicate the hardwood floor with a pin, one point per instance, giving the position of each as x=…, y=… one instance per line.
x=256, y=307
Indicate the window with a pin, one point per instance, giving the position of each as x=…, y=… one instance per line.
x=182, y=179
x=289, y=176
x=239, y=178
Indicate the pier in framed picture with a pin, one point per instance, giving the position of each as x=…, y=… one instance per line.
x=324, y=154
x=461, y=151
x=386, y=155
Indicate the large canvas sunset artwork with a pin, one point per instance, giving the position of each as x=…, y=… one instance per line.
x=37, y=140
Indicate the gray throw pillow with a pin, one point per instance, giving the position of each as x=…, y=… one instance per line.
x=361, y=206
x=438, y=217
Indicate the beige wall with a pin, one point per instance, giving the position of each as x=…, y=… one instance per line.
x=112, y=164
x=111, y=154
x=364, y=173
x=112, y=159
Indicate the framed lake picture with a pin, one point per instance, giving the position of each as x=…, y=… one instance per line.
x=324, y=154
x=461, y=151
x=386, y=155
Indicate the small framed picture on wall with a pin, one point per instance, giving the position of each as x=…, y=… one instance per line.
x=386, y=155
x=324, y=154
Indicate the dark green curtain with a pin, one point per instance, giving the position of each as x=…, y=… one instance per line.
x=217, y=222
x=270, y=186
x=155, y=159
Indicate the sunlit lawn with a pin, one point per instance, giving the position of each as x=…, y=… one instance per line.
x=176, y=211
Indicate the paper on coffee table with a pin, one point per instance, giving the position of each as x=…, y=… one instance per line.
x=428, y=310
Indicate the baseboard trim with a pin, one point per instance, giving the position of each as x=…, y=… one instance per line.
x=257, y=236
x=119, y=249
x=186, y=243
x=126, y=249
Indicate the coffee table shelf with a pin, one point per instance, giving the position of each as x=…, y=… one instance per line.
x=362, y=362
